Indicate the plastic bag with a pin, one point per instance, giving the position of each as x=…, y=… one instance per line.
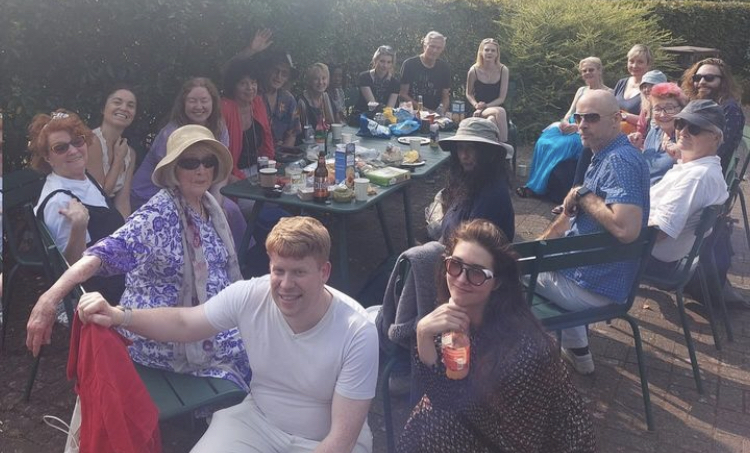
x=369, y=128
x=433, y=215
x=404, y=128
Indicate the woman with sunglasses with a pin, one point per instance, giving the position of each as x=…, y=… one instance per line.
x=378, y=84
x=72, y=204
x=517, y=396
x=560, y=140
x=487, y=86
x=197, y=103
x=176, y=250
x=660, y=147
x=111, y=161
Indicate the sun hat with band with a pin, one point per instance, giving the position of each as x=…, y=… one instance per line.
x=476, y=130
x=703, y=113
x=178, y=142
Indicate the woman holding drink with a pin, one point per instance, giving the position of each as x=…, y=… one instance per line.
x=513, y=393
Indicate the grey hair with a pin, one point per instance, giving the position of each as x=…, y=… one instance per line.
x=433, y=35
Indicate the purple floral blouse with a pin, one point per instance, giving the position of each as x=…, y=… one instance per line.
x=148, y=248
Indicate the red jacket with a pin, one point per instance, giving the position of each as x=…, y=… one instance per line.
x=117, y=413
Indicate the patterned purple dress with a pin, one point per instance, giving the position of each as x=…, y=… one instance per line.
x=149, y=249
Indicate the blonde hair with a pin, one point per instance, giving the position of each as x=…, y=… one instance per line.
x=300, y=237
x=384, y=50
x=480, y=58
x=314, y=70
x=641, y=50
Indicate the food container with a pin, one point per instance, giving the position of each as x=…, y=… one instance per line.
x=342, y=194
x=305, y=193
x=388, y=176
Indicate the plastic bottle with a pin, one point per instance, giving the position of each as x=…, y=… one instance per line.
x=320, y=180
x=456, y=350
x=434, y=135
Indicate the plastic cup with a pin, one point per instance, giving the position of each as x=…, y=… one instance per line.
x=297, y=180
x=360, y=188
x=336, y=131
x=268, y=177
x=346, y=138
x=415, y=143
x=372, y=105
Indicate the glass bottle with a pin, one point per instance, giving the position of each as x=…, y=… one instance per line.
x=456, y=350
x=320, y=180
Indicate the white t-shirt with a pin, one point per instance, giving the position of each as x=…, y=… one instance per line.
x=295, y=375
x=678, y=200
x=58, y=224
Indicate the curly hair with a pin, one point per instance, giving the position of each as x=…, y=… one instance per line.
x=215, y=121
x=727, y=89
x=507, y=319
x=42, y=125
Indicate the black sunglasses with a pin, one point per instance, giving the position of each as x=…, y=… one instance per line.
x=589, y=117
x=191, y=163
x=474, y=274
x=62, y=148
x=709, y=77
x=693, y=129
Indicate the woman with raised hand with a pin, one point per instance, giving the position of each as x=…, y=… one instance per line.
x=74, y=207
x=111, y=161
x=176, y=250
x=560, y=140
x=516, y=395
x=487, y=86
x=378, y=84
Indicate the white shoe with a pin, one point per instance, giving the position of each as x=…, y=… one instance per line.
x=583, y=364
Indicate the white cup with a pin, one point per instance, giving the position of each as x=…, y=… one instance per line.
x=336, y=130
x=346, y=138
x=523, y=170
x=415, y=143
x=360, y=188
x=372, y=105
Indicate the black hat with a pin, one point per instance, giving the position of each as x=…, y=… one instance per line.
x=704, y=113
x=277, y=57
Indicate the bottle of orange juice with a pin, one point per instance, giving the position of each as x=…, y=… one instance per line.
x=456, y=348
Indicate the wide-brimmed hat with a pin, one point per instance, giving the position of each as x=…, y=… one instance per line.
x=477, y=130
x=179, y=141
x=653, y=77
x=277, y=57
x=704, y=113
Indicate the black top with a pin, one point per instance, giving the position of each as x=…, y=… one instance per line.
x=429, y=82
x=381, y=89
x=251, y=142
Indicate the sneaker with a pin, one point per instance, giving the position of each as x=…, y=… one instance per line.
x=583, y=364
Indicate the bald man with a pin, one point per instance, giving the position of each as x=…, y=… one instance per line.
x=614, y=197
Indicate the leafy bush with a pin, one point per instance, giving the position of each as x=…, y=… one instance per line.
x=67, y=54
x=547, y=38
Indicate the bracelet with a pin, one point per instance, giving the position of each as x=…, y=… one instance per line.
x=128, y=315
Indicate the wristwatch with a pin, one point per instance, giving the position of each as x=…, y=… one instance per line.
x=582, y=192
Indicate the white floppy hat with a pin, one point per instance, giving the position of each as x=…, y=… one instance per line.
x=180, y=140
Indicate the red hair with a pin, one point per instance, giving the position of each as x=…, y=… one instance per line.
x=669, y=91
x=42, y=125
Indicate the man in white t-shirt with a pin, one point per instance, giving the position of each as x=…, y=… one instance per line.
x=313, y=353
x=693, y=184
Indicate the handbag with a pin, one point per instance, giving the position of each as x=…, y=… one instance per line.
x=433, y=215
x=73, y=430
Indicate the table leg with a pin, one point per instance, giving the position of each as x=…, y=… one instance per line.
x=411, y=241
x=343, y=261
x=242, y=258
x=384, y=228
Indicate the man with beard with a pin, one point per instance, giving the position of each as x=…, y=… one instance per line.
x=712, y=79
x=614, y=197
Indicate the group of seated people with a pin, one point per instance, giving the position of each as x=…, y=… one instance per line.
x=168, y=277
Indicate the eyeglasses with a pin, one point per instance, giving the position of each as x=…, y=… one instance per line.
x=62, y=148
x=666, y=110
x=191, y=163
x=709, y=77
x=474, y=274
x=589, y=117
x=692, y=129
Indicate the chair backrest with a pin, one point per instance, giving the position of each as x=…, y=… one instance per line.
x=703, y=229
x=733, y=177
x=57, y=266
x=585, y=250
x=21, y=191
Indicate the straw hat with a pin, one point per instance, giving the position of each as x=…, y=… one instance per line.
x=477, y=130
x=179, y=141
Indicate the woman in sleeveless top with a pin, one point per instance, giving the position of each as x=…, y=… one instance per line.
x=628, y=89
x=560, y=141
x=72, y=205
x=111, y=161
x=487, y=86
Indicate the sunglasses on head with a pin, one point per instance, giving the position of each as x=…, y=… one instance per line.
x=589, y=117
x=474, y=274
x=709, y=77
x=692, y=129
x=191, y=163
x=62, y=148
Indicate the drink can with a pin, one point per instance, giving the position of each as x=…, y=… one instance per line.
x=262, y=162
